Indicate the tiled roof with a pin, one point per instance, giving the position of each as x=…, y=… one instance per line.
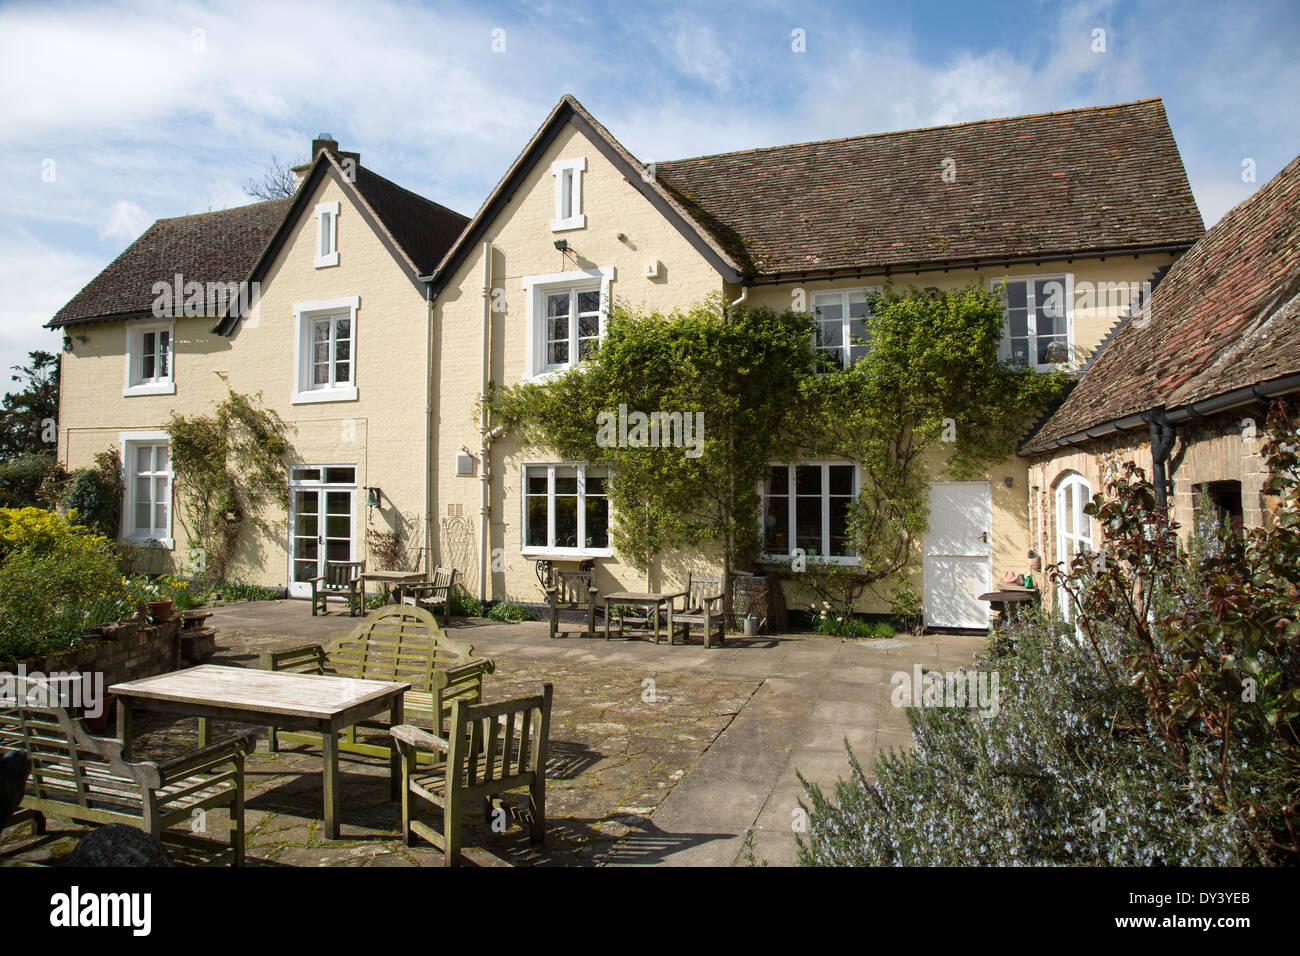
x=1227, y=316
x=1054, y=183
x=207, y=247
x=422, y=228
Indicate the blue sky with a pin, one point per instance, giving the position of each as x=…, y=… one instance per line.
x=143, y=117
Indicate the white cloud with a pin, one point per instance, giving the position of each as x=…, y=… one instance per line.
x=125, y=220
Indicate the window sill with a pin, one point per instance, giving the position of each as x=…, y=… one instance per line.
x=563, y=554
x=166, y=544
x=315, y=395
x=564, y=225
x=156, y=388
x=810, y=558
x=323, y=262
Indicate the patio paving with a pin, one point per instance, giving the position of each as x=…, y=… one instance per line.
x=659, y=754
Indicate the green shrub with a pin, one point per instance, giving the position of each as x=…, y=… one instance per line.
x=95, y=495
x=50, y=590
x=509, y=611
x=240, y=591
x=461, y=603
x=837, y=624
x=21, y=477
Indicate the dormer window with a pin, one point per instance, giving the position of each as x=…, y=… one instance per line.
x=327, y=234
x=568, y=194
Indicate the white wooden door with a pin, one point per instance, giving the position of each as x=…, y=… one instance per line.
x=958, y=554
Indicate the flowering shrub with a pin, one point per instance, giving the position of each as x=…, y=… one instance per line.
x=1159, y=728
x=827, y=620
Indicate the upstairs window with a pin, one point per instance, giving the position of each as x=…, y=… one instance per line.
x=1037, y=328
x=840, y=330
x=326, y=341
x=327, y=234
x=149, y=359
x=566, y=316
x=568, y=194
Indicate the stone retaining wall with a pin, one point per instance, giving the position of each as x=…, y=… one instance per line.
x=151, y=650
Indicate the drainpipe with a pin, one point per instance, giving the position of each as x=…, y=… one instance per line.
x=1163, y=435
x=484, y=504
x=744, y=294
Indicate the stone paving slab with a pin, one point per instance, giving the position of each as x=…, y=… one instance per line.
x=660, y=754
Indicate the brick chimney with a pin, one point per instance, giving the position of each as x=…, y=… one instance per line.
x=326, y=141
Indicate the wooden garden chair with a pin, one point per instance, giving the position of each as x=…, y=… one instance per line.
x=78, y=776
x=433, y=594
x=488, y=749
x=572, y=591
x=702, y=607
x=341, y=579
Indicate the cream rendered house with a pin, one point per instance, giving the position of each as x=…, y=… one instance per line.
x=1075, y=211
x=330, y=334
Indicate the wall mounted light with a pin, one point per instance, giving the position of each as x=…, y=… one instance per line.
x=562, y=245
x=1008, y=480
x=67, y=343
x=373, y=497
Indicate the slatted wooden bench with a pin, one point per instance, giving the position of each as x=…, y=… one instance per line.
x=341, y=579
x=573, y=591
x=398, y=642
x=78, y=776
x=702, y=608
x=430, y=595
x=486, y=750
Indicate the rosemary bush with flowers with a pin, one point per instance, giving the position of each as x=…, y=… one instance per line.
x=1161, y=726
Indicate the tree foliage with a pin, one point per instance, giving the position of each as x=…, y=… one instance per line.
x=229, y=467
x=741, y=369
x=278, y=181
x=26, y=415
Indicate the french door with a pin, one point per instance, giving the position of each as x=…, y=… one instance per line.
x=322, y=522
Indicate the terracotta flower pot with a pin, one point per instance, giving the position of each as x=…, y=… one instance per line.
x=160, y=612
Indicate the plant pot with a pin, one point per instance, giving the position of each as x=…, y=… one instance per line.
x=197, y=646
x=160, y=612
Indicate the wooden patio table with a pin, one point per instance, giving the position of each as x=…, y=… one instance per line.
x=650, y=600
x=391, y=578
x=315, y=702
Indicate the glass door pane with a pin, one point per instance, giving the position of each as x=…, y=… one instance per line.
x=306, y=528
x=338, y=525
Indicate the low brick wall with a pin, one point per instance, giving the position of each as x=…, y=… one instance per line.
x=150, y=651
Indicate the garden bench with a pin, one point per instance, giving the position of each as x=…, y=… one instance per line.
x=398, y=642
x=572, y=591
x=341, y=579
x=488, y=749
x=701, y=607
x=432, y=594
x=78, y=776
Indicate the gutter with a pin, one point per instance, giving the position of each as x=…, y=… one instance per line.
x=947, y=265
x=1237, y=398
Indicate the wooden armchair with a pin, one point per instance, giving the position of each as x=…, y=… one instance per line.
x=702, y=606
x=572, y=591
x=431, y=595
x=78, y=776
x=341, y=579
x=488, y=749
x=397, y=643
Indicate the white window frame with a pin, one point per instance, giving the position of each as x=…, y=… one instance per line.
x=1085, y=540
x=135, y=383
x=538, y=550
x=1004, y=348
x=304, y=313
x=330, y=258
x=845, y=320
x=568, y=191
x=825, y=464
x=128, y=443
x=535, y=290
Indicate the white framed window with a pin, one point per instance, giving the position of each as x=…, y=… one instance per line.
x=325, y=347
x=568, y=193
x=327, y=234
x=805, y=505
x=565, y=509
x=1039, y=326
x=149, y=349
x=566, y=317
x=840, y=329
x=1073, y=528
x=147, y=497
